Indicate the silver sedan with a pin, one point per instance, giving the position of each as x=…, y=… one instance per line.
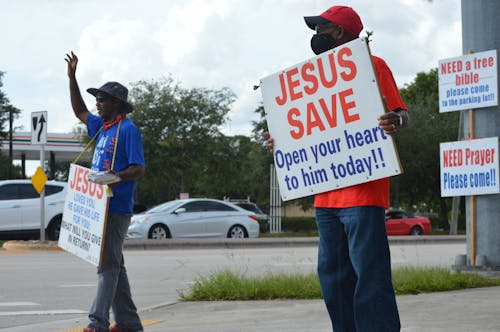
x=194, y=217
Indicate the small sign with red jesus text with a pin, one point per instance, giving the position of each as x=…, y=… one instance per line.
x=84, y=218
x=468, y=82
x=469, y=167
x=322, y=114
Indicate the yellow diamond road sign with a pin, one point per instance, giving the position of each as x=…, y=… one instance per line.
x=39, y=179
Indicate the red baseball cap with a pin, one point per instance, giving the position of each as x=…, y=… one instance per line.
x=344, y=16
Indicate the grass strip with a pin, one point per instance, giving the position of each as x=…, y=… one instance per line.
x=413, y=280
x=231, y=286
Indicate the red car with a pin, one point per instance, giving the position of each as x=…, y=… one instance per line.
x=399, y=222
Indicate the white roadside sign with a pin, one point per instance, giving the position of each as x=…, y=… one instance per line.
x=469, y=167
x=468, y=82
x=84, y=218
x=39, y=128
x=322, y=114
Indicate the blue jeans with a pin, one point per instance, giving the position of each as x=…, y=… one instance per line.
x=113, y=289
x=354, y=269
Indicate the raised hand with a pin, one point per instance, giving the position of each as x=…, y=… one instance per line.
x=72, y=61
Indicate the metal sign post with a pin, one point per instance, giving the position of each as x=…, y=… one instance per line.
x=39, y=137
x=42, y=198
x=275, y=202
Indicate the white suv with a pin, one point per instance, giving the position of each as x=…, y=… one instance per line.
x=20, y=209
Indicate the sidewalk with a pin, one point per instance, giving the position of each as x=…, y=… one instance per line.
x=467, y=310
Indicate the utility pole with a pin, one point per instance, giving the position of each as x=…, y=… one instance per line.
x=480, y=26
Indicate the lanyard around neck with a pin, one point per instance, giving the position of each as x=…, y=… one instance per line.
x=93, y=139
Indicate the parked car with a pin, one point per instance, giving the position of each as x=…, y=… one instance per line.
x=194, y=217
x=20, y=209
x=250, y=206
x=398, y=222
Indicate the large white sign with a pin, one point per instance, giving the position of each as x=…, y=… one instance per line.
x=468, y=82
x=84, y=218
x=469, y=167
x=322, y=114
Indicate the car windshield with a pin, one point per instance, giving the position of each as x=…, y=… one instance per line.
x=163, y=207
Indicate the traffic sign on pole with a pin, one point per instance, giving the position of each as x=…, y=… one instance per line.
x=39, y=128
x=39, y=137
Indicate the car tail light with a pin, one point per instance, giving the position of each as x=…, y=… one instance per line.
x=254, y=217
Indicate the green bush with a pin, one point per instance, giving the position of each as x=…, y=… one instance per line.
x=298, y=224
x=263, y=226
x=437, y=223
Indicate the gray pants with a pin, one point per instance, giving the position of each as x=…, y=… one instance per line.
x=113, y=289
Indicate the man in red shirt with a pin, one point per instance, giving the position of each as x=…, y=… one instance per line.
x=354, y=265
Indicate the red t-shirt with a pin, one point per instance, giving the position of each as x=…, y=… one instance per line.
x=373, y=193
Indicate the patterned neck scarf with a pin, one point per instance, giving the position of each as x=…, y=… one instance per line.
x=119, y=117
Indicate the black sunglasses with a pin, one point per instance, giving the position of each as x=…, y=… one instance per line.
x=102, y=98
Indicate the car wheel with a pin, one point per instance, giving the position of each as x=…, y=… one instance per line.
x=237, y=232
x=416, y=230
x=54, y=228
x=159, y=232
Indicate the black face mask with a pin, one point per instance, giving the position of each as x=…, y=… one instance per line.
x=322, y=42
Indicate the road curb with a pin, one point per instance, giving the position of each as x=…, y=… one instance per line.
x=274, y=242
x=31, y=245
x=427, y=239
x=221, y=243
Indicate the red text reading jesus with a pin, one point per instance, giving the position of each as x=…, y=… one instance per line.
x=81, y=184
x=305, y=80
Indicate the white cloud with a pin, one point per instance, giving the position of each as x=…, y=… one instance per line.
x=184, y=27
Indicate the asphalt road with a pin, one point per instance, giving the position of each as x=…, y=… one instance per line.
x=40, y=286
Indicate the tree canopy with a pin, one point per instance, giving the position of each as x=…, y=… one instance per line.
x=7, y=170
x=418, y=145
x=184, y=149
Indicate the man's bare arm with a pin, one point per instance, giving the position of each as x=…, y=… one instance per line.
x=79, y=108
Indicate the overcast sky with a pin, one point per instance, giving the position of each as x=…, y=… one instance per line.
x=200, y=43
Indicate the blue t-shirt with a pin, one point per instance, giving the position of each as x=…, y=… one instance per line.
x=129, y=152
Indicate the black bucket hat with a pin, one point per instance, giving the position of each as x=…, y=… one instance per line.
x=116, y=90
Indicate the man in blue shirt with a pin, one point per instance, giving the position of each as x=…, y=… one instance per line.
x=118, y=151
